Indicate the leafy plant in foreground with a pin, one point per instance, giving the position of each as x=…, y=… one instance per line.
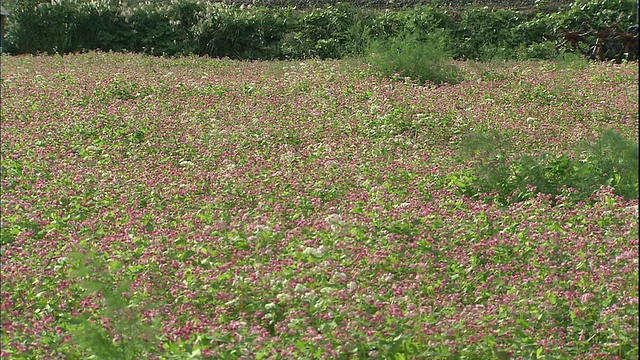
x=615, y=159
x=110, y=327
x=611, y=160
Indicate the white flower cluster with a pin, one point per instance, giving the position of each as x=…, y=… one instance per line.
x=319, y=252
x=335, y=221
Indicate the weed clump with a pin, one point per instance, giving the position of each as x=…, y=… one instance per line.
x=423, y=60
x=610, y=160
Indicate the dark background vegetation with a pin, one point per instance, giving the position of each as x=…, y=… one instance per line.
x=286, y=29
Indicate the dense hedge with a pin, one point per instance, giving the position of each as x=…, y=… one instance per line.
x=395, y=4
x=389, y=4
x=181, y=27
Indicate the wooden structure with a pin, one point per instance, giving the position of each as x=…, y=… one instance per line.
x=604, y=43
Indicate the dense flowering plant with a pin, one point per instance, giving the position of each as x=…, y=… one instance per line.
x=166, y=208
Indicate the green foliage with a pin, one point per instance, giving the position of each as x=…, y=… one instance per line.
x=535, y=30
x=571, y=61
x=426, y=19
x=225, y=31
x=591, y=14
x=100, y=26
x=339, y=30
x=115, y=329
x=604, y=27
x=482, y=31
x=538, y=51
x=423, y=60
x=324, y=33
x=615, y=160
x=385, y=25
x=610, y=160
x=37, y=27
x=157, y=30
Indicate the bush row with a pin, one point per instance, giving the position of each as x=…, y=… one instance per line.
x=181, y=27
x=389, y=4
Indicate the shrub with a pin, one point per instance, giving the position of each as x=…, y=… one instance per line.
x=535, y=31
x=591, y=14
x=425, y=20
x=615, y=160
x=100, y=26
x=538, y=51
x=324, y=33
x=423, y=60
x=226, y=31
x=385, y=25
x=610, y=160
x=40, y=27
x=157, y=30
x=568, y=60
x=481, y=30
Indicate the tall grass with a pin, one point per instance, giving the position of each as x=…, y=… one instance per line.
x=423, y=60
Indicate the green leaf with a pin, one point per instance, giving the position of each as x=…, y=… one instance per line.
x=115, y=265
x=502, y=355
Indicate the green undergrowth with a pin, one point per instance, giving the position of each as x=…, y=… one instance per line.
x=114, y=329
x=611, y=160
